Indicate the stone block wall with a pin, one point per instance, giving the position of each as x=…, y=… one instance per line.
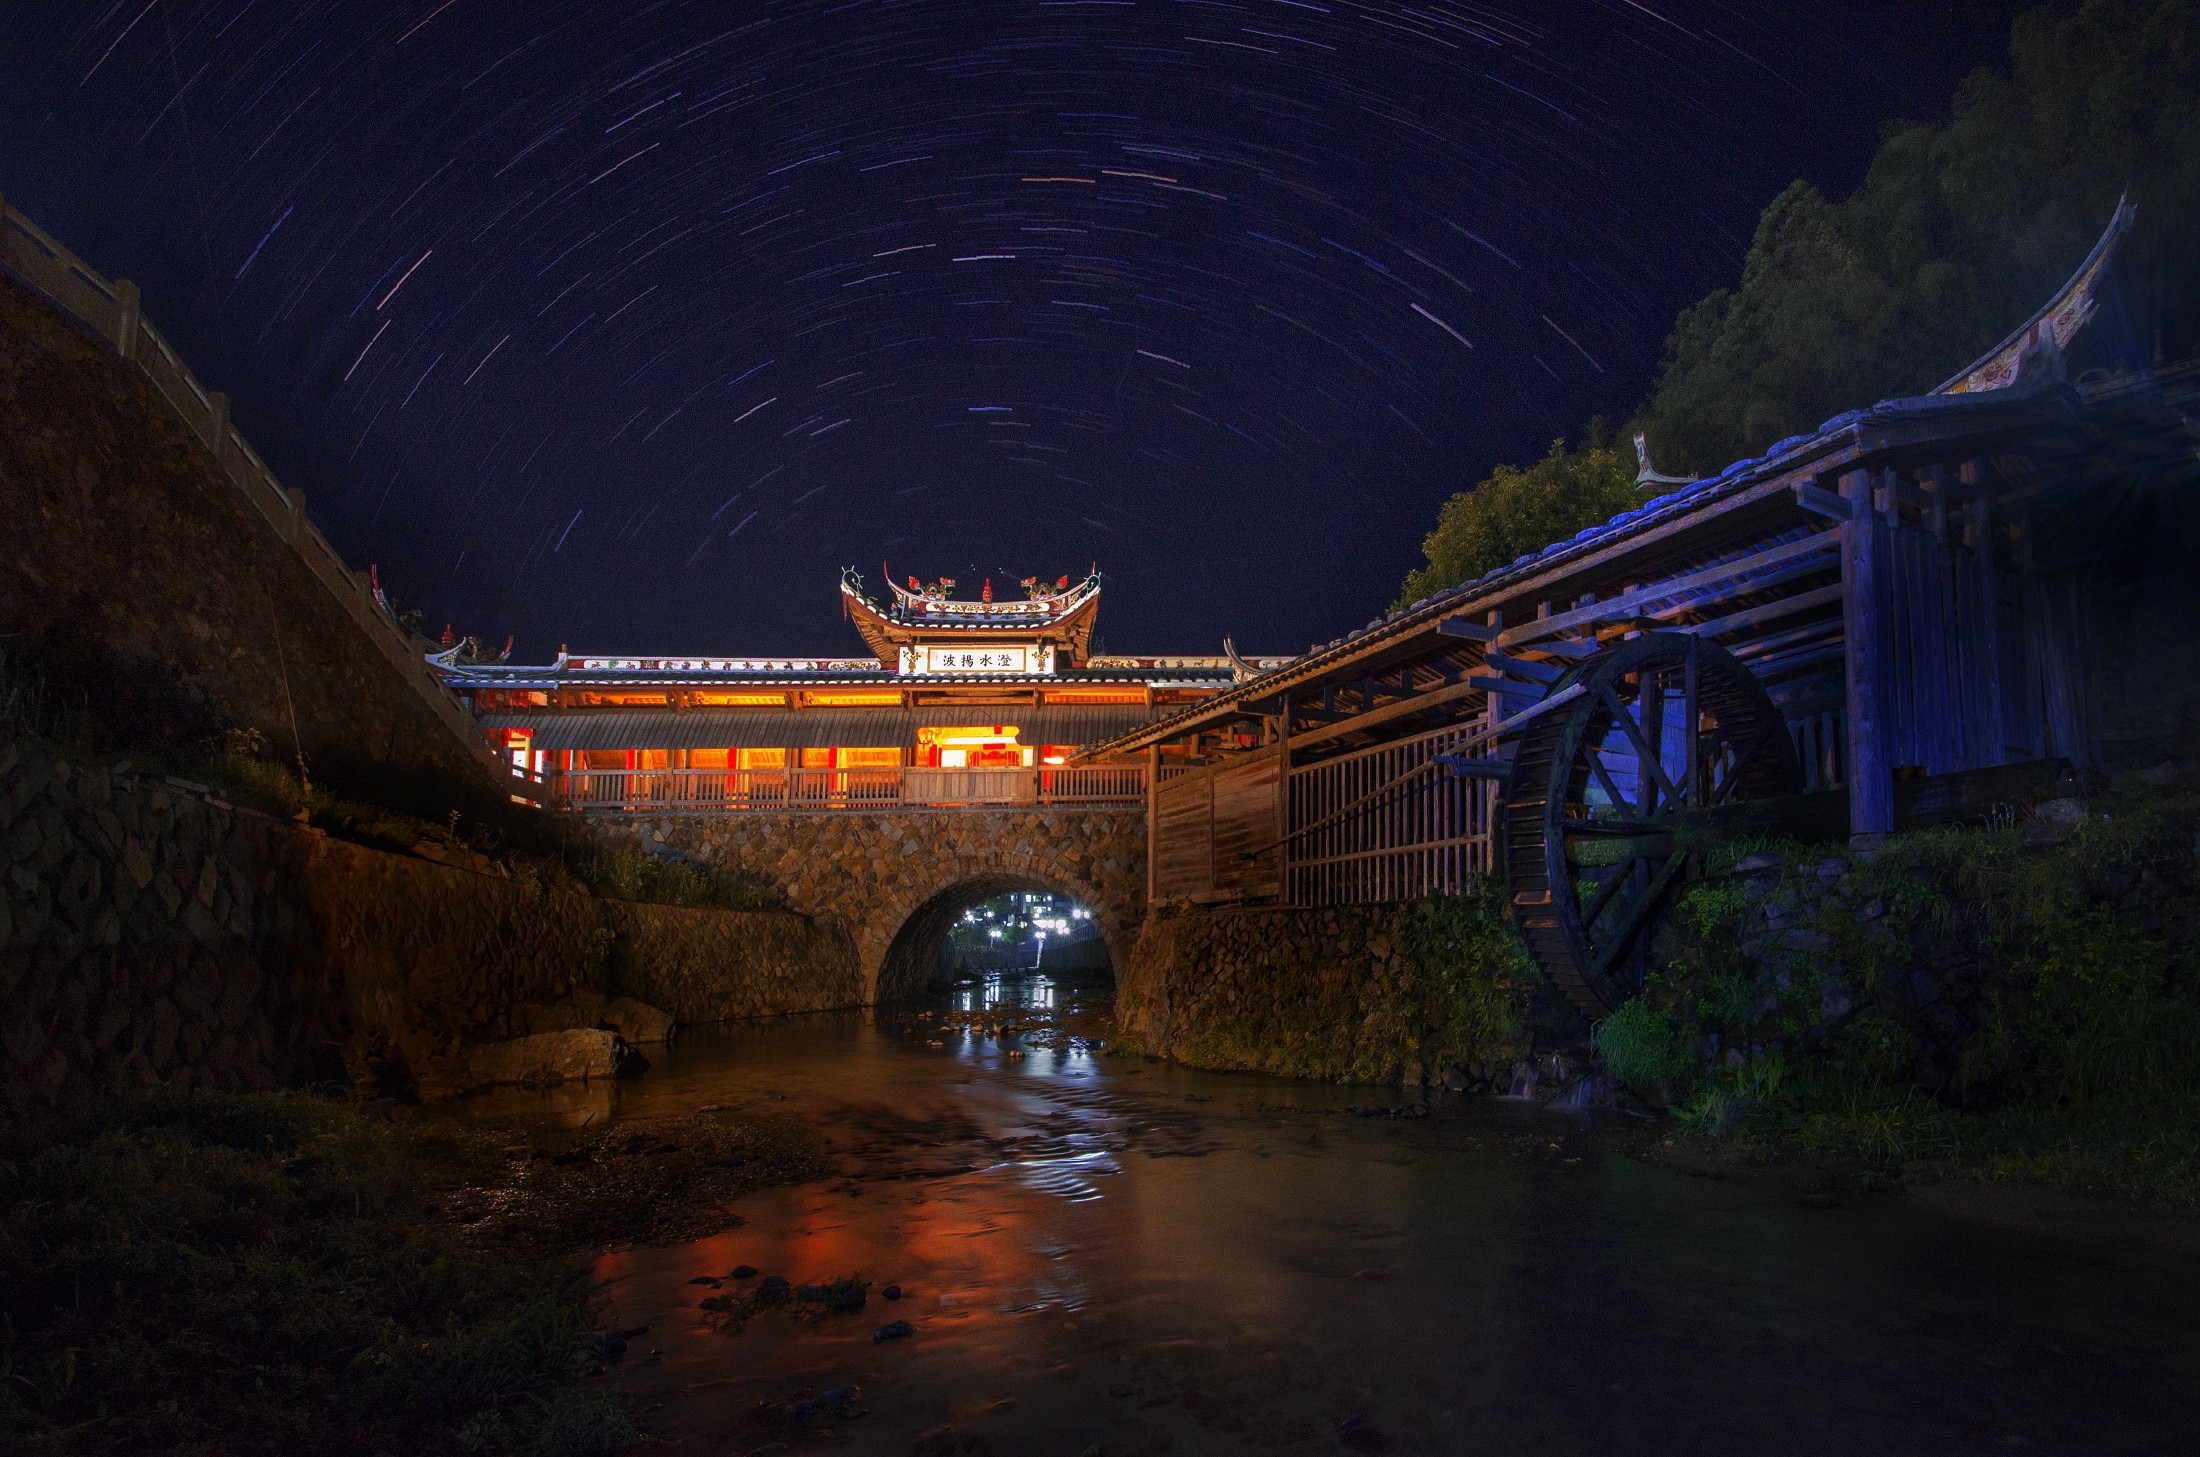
x=150, y=933
x=1385, y=993
x=715, y=966
x=899, y=877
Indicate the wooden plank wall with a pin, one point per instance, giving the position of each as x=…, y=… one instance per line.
x=1216, y=832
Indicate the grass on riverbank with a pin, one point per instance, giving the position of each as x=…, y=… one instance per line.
x=263, y=1273
x=611, y=871
x=2073, y=1062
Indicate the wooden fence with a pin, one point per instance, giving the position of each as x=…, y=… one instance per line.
x=109, y=307
x=711, y=790
x=1390, y=822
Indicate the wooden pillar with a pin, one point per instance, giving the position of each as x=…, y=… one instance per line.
x=1153, y=814
x=1283, y=803
x=1864, y=628
x=1986, y=614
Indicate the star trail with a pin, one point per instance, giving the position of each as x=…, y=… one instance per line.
x=627, y=325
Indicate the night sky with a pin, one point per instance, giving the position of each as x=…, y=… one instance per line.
x=627, y=325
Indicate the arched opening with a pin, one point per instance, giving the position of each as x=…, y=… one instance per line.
x=952, y=935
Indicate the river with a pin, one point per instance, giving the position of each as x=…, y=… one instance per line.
x=1098, y=1253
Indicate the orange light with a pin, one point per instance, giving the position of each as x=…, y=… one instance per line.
x=741, y=700
x=973, y=734
x=1094, y=695
x=624, y=700
x=856, y=700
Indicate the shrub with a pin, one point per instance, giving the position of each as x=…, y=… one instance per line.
x=629, y=873
x=1640, y=1044
x=266, y=1273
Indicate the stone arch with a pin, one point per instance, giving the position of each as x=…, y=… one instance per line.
x=900, y=944
x=875, y=872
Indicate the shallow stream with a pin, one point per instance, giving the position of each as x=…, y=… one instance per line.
x=1104, y=1253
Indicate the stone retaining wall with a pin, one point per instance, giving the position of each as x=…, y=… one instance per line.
x=1388, y=993
x=900, y=877
x=149, y=933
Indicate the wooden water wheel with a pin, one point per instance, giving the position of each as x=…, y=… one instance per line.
x=1665, y=730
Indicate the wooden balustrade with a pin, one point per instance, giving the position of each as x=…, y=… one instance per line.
x=110, y=308
x=736, y=790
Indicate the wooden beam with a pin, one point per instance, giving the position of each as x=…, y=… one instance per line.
x=1390, y=713
x=1460, y=627
x=1625, y=604
x=1769, y=612
x=1871, y=775
x=1823, y=503
x=1522, y=668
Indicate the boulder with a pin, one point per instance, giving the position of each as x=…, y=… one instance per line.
x=580, y=1010
x=637, y=1022
x=575, y=1055
x=2054, y=821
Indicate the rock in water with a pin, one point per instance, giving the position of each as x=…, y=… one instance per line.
x=540, y=1060
x=637, y=1022
x=893, y=1330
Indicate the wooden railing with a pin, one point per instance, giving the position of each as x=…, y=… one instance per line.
x=737, y=790
x=109, y=307
x=1386, y=823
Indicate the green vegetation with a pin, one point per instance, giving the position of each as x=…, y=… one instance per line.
x=1962, y=1002
x=1958, y=232
x=1640, y=1044
x=617, y=872
x=1516, y=512
x=1363, y=999
x=625, y=872
x=1473, y=975
x=267, y=1273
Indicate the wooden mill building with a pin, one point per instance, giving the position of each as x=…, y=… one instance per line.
x=1875, y=624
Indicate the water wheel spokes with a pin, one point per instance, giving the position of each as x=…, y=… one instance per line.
x=1666, y=726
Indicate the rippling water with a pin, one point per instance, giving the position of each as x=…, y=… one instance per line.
x=1101, y=1251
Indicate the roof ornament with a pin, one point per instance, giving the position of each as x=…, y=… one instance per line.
x=1240, y=670
x=1648, y=475
x=2045, y=335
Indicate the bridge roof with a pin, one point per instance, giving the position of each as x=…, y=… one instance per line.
x=1921, y=426
x=814, y=728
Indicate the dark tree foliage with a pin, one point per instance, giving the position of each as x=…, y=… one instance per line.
x=1956, y=235
x=1518, y=511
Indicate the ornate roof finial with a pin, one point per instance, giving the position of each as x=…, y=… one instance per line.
x=1648, y=475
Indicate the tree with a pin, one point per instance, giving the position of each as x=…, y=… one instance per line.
x=1517, y=511
x=1957, y=233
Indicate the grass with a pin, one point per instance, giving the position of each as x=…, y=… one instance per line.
x=626, y=872
x=267, y=1273
x=2077, y=1065
x=615, y=872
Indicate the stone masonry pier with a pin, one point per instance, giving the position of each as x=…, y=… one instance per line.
x=900, y=878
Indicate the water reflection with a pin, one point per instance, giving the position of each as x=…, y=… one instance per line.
x=1099, y=1250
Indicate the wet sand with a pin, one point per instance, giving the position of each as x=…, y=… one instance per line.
x=1098, y=1252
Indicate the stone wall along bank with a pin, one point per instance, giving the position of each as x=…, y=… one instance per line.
x=1411, y=994
x=898, y=879
x=149, y=933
